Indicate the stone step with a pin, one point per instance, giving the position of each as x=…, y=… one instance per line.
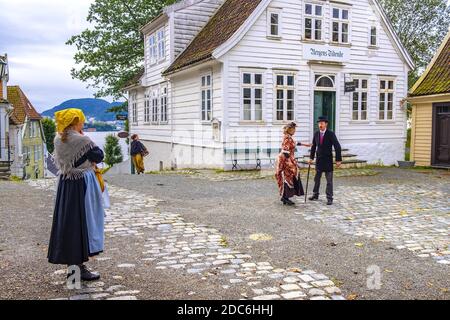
x=346, y=164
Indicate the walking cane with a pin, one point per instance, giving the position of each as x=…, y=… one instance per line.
x=307, y=182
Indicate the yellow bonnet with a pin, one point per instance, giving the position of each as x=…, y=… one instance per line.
x=65, y=118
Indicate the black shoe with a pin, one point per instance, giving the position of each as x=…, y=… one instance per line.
x=329, y=202
x=87, y=275
x=287, y=202
x=313, y=198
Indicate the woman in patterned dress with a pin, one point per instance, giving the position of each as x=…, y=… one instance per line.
x=289, y=182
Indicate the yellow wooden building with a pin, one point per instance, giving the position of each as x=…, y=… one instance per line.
x=430, y=99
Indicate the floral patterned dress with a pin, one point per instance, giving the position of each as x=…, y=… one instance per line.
x=288, y=180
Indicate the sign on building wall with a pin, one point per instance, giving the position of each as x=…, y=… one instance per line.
x=325, y=53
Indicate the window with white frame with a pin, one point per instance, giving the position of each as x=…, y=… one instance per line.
x=285, y=93
x=37, y=153
x=206, y=97
x=134, y=110
x=274, y=22
x=313, y=21
x=153, y=49
x=359, y=106
x=386, y=107
x=373, y=36
x=252, y=93
x=147, y=107
x=340, y=25
x=161, y=44
x=163, y=104
x=155, y=107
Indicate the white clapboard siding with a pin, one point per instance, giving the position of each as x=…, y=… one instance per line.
x=153, y=72
x=189, y=20
x=186, y=95
x=256, y=50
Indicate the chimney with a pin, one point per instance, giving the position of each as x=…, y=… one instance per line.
x=4, y=75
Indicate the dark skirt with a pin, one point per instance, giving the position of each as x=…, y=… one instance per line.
x=69, y=242
x=296, y=190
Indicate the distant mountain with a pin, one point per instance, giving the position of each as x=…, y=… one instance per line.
x=92, y=108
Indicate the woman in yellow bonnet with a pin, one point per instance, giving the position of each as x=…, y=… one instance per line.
x=78, y=220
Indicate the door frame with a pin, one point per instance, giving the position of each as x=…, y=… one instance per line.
x=331, y=71
x=334, y=111
x=434, y=133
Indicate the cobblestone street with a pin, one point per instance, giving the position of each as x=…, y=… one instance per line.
x=173, y=237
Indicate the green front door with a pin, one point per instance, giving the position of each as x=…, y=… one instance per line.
x=325, y=106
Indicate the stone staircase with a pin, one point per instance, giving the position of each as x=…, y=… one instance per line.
x=349, y=160
x=5, y=170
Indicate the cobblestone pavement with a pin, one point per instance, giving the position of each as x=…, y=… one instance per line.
x=200, y=250
x=411, y=217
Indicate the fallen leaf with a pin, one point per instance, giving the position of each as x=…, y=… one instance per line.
x=444, y=289
x=404, y=213
x=296, y=270
x=359, y=244
x=388, y=271
x=352, y=296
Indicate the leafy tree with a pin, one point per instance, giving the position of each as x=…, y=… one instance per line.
x=49, y=127
x=111, y=52
x=421, y=26
x=113, y=152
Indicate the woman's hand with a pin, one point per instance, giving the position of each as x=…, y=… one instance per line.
x=309, y=145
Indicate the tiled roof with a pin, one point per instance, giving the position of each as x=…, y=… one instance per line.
x=437, y=78
x=221, y=27
x=22, y=106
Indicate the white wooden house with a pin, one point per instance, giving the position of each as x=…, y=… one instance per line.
x=223, y=76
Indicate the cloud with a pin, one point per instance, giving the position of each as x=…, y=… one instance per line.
x=33, y=33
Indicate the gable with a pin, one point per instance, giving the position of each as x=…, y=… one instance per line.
x=436, y=78
x=219, y=29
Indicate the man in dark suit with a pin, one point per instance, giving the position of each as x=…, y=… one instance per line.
x=323, y=143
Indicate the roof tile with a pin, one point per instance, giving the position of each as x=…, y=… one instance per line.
x=22, y=106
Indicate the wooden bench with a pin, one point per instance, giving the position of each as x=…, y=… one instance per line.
x=259, y=154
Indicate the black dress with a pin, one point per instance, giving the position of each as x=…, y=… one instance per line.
x=69, y=242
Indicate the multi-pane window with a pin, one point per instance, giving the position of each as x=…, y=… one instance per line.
x=373, y=36
x=147, y=108
x=274, y=23
x=161, y=45
x=155, y=115
x=359, y=109
x=37, y=153
x=157, y=49
x=163, y=105
x=206, y=92
x=285, y=93
x=252, y=91
x=134, y=110
x=386, y=109
x=153, y=49
x=313, y=21
x=340, y=25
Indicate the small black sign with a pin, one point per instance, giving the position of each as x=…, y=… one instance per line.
x=121, y=117
x=350, y=86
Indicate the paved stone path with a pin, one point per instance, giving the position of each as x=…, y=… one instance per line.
x=200, y=250
x=409, y=216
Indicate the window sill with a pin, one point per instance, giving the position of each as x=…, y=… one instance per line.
x=339, y=44
x=205, y=122
x=252, y=123
x=385, y=122
x=312, y=41
x=282, y=123
x=359, y=122
x=373, y=47
x=277, y=38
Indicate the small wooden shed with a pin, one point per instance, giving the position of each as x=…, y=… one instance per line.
x=430, y=99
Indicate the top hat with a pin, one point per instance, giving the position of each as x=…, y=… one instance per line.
x=322, y=119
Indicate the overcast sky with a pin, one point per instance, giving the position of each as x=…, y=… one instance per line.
x=33, y=34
